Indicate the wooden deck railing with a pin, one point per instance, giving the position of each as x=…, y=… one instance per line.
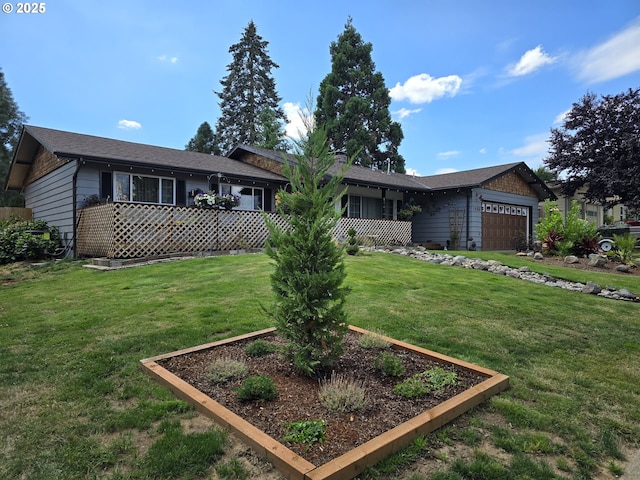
x=129, y=230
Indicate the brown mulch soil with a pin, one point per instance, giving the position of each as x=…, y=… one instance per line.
x=298, y=395
x=583, y=264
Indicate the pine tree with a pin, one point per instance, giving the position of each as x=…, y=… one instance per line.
x=309, y=266
x=11, y=120
x=248, y=90
x=353, y=105
x=204, y=141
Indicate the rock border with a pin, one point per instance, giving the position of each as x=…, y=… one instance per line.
x=522, y=273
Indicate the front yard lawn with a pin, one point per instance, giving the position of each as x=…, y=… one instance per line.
x=75, y=403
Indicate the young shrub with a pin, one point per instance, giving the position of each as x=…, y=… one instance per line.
x=342, y=394
x=352, y=247
x=260, y=348
x=23, y=240
x=373, y=340
x=257, y=387
x=222, y=370
x=309, y=266
x=389, y=364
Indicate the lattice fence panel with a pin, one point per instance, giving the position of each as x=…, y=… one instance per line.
x=128, y=230
x=95, y=231
x=375, y=231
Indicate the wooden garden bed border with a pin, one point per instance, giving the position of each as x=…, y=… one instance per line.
x=353, y=462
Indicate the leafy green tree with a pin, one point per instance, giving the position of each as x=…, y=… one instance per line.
x=353, y=105
x=272, y=134
x=248, y=90
x=309, y=266
x=546, y=175
x=204, y=141
x=11, y=120
x=598, y=146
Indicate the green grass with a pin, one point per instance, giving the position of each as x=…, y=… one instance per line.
x=75, y=403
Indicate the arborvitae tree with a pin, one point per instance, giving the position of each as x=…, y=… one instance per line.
x=598, y=146
x=248, y=90
x=353, y=105
x=11, y=120
x=204, y=141
x=309, y=266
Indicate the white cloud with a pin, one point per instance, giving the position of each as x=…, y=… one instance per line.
x=560, y=118
x=297, y=120
x=535, y=146
x=450, y=153
x=531, y=61
x=412, y=171
x=424, y=88
x=166, y=58
x=618, y=56
x=405, y=112
x=483, y=150
x=129, y=125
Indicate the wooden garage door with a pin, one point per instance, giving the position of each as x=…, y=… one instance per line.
x=501, y=224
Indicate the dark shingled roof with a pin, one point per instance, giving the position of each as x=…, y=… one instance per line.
x=100, y=149
x=466, y=179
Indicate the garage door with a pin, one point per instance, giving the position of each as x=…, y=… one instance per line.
x=501, y=224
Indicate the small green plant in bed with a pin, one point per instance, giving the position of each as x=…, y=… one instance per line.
x=412, y=387
x=306, y=432
x=257, y=387
x=342, y=394
x=441, y=378
x=389, y=364
x=221, y=370
x=260, y=348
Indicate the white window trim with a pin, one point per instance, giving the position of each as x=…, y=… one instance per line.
x=131, y=175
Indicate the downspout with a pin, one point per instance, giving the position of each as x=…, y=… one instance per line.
x=468, y=215
x=74, y=192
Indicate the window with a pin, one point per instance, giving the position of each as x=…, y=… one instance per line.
x=364, y=207
x=251, y=198
x=144, y=189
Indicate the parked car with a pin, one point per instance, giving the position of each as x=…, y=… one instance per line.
x=608, y=231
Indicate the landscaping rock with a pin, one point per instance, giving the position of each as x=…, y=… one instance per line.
x=571, y=259
x=538, y=256
x=623, y=268
x=592, y=288
x=598, y=262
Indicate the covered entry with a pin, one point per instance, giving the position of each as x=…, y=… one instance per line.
x=501, y=223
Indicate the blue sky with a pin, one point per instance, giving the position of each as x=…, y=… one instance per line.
x=473, y=83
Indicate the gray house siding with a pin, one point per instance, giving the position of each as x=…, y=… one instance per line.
x=434, y=223
x=51, y=199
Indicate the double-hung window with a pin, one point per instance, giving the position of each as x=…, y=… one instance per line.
x=130, y=187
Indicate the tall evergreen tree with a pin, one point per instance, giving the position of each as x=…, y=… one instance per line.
x=204, y=141
x=248, y=90
x=353, y=105
x=11, y=120
x=271, y=132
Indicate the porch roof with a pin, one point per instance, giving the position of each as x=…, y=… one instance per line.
x=107, y=150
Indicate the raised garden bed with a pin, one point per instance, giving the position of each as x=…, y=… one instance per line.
x=353, y=440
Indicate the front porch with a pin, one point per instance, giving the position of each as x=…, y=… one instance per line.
x=131, y=230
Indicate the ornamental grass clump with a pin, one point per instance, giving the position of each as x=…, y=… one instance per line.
x=342, y=394
x=224, y=369
x=309, y=265
x=373, y=341
x=260, y=348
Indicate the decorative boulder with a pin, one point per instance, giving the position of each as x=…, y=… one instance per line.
x=571, y=259
x=598, y=262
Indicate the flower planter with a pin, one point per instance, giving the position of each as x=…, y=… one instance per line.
x=353, y=462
